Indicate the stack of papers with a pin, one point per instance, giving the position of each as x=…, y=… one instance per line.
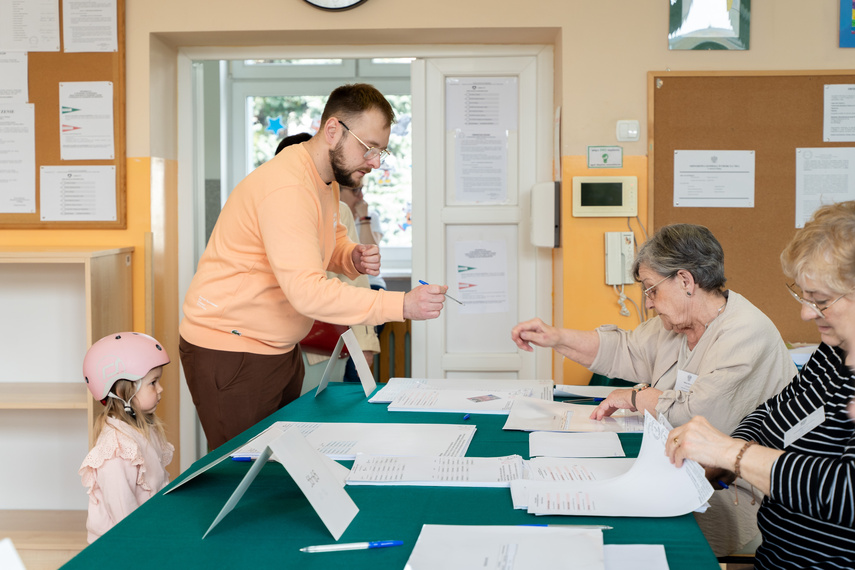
x=343, y=441
x=652, y=487
x=531, y=414
x=465, y=396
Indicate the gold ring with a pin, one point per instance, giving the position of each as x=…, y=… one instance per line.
x=676, y=441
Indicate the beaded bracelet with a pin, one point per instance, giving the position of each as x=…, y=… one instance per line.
x=736, y=466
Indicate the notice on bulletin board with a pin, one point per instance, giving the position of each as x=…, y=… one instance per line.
x=824, y=175
x=838, y=113
x=482, y=276
x=86, y=120
x=713, y=179
x=89, y=26
x=77, y=193
x=17, y=159
x=29, y=26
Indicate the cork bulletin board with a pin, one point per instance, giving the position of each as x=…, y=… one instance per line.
x=46, y=71
x=770, y=113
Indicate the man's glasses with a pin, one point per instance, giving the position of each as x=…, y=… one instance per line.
x=370, y=151
x=820, y=311
x=650, y=292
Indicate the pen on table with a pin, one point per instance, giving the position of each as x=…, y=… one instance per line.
x=723, y=484
x=589, y=526
x=352, y=546
x=466, y=417
x=446, y=294
x=242, y=458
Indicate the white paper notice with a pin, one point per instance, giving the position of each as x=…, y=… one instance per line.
x=29, y=26
x=552, y=444
x=838, y=113
x=482, y=276
x=17, y=159
x=344, y=441
x=714, y=178
x=506, y=548
x=77, y=193
x=481, y=165
x=666, y=491
x=89, y=25
x=13, y=77
x=86, y=120
x=437, y=471
x=823, y=176
x=530, y=414
x=481, y=102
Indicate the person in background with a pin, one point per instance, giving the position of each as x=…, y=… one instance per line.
x=369, y=228
x=127, y=465
x=707, y=351
x=262, y=282
x=365, y=335
x=798, y=448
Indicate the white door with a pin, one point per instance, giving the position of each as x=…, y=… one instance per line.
x=459, y=228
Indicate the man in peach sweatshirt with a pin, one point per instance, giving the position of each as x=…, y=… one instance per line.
x=262, y=280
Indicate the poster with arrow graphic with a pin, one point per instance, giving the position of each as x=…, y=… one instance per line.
x=482, y=276
x=86, y=120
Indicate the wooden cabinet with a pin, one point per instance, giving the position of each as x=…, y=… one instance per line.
x=54, y=303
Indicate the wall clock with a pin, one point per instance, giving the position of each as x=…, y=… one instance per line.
x=335, y=5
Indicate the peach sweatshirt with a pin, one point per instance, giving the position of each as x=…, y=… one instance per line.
x=262, y=279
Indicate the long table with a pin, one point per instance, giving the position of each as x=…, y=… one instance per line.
x=274, y=519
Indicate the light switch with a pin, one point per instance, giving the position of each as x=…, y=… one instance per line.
x=627, y=131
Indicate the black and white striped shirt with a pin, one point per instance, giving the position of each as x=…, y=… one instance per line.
x=808, y=520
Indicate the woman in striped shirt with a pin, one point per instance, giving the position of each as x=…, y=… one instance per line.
x=799, y=447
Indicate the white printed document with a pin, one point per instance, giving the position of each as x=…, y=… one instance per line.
x=652, y=487
x=530, y=414
x=463, y=547
x=556, y=469
x=554, y=444
x=476, y=400
x=437, y=471
x=343, y=441
x=395, y=386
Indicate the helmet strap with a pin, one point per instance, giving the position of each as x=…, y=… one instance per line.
x=128, y=408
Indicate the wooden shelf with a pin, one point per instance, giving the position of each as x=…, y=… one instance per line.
x=43, y=396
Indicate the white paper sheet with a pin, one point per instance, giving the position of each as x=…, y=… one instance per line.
x=358, y=358
x=14, y=73
x=86, y=120
x=652, y=487
x=557, y=469
x=568, y=390
x=437, y=471
x=89, y=26
x=77, y=193
x=530, y=414
x=552, y=444
x=838, y=113
x=17, y=158
x=635, y=557
x=29, y=26
x=453, y=547
x=482, y=276
x=532, y=388
x=714, y=178
x=466, y=401
x=344, y=440
x=823, y=176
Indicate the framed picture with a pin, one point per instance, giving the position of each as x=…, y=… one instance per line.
x=847, y=23
x=709, y=24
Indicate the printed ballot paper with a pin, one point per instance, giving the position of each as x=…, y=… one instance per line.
x=553, y=444
x=533, y=388
x=531, y=414
x=343, y=441
x=459, y=547
x=666, y=490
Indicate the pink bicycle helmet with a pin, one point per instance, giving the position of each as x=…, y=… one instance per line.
x=120, y=356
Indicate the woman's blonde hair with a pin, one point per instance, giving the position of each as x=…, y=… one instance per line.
x=824, y=250
x=145, y=423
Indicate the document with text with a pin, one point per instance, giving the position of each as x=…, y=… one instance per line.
x=531, y=414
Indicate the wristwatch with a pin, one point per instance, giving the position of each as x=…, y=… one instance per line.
x=635, y=390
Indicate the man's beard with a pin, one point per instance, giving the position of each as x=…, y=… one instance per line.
x=341, y=174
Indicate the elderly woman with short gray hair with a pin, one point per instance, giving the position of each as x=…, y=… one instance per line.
x=708, y=351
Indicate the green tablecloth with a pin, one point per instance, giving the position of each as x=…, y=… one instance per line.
x=274, y=519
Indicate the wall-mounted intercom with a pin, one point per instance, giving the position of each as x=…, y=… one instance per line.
x=605, y=196
x=620, y=253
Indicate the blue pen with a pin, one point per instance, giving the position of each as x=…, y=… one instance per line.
x=723, y=484
x=466, y=417
x=446, y=294
x=242, y=458
x=352, y=546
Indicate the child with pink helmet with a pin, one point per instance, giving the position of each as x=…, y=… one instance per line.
x=128, y=463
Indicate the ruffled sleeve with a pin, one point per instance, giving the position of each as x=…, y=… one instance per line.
x=111, y=444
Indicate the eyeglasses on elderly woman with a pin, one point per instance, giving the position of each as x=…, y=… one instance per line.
x=819, y=310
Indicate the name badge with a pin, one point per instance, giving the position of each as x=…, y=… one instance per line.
x=684, y=380
x=806, y=424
